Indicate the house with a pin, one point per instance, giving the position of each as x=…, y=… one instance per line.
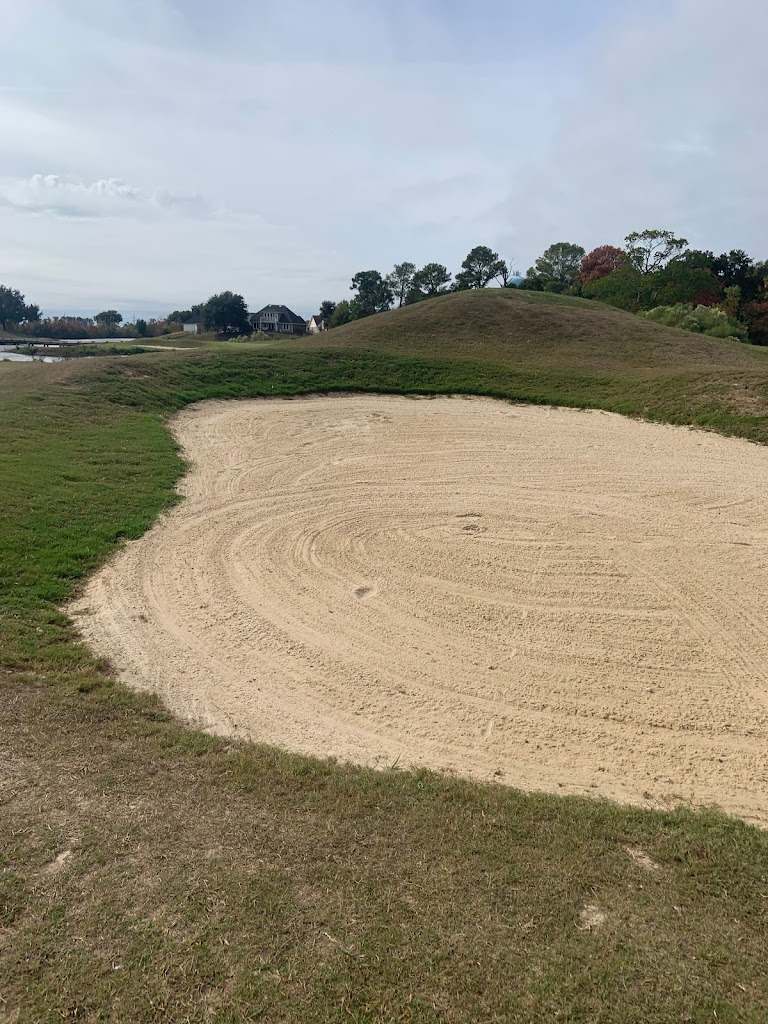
x=315, y=325
x=194, y=325
x=277, y=320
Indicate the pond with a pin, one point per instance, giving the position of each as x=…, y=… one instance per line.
x=17, y=357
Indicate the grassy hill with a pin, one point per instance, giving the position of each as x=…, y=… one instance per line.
x=150, y=872
x=539, y=330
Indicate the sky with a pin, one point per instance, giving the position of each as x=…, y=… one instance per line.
x=153, y=152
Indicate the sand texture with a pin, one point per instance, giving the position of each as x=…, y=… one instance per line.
x=558, y=600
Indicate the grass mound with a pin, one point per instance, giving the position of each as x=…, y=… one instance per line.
x=537, y=329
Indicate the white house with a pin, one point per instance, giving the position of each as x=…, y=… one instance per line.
x=315, y=325
x=193, y=325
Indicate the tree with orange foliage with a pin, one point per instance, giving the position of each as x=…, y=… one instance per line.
x=600, y=263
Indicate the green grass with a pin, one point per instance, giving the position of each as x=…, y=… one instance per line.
x=212, y=881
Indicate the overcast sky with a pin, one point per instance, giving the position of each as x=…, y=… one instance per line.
x=155, y=151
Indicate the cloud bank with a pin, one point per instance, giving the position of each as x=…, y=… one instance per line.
x=277, y=147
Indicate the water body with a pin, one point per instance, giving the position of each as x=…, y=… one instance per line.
x=17, y=357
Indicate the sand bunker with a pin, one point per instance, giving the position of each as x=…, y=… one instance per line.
x=558, y=600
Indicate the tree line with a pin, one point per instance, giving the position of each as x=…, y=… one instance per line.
x=655, y=274
x=407, y=284
x=224, y=313
x=25, y=319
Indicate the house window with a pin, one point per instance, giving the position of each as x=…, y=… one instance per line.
x=285, y=327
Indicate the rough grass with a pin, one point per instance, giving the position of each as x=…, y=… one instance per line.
x=539, y=330
x=151, y=873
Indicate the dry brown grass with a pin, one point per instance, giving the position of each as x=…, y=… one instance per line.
x=535, y=329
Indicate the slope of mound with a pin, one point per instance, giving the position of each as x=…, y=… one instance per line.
x=538, y=330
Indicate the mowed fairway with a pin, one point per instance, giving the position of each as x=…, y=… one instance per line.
x=562, y=601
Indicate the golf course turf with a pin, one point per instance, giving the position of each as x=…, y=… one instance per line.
x=149, y=872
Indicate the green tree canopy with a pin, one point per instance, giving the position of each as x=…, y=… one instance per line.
x=179, y=316
x=226, y=313
x=374, y=295
x=142, y=329
x=650, y=250
x=560, y=263
x=756, y=318
x=685, y=279
x=681, y=280
x=327, y=309
x=109, y=318
x=737, y=269
x=343, y=314
x=626, y=288
x=479, y=268
x=433, y=279
x=400, y=281
x=12, y=307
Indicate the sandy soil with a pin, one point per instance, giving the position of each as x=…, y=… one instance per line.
x=558, y=600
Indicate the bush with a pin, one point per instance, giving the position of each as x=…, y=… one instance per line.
x=709, y=320
x=756, y=316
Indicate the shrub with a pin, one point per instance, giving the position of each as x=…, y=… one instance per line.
x=709, y=320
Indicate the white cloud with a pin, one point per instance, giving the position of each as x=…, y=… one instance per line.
x=108, y=197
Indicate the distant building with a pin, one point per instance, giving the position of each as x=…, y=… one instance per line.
x=276, y=320
x=194, y=325
x=315, y=325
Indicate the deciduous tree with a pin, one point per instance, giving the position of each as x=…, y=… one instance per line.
x=342, y=314
x=227, y=313
x=650, y=250
x=12, y=307
x=109, y=318
x=685, y=279
x=601, y=262
x=179, y=316
x=755, y=315
x=737, y=269
x=626, y=288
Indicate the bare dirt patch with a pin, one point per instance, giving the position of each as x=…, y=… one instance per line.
x=591, y=918
x=603, y=631
x=642, y=859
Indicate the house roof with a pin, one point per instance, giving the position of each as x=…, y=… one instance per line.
x=286, y=316
x=194, y=320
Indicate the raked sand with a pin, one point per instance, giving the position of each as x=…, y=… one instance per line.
x=557, y=600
